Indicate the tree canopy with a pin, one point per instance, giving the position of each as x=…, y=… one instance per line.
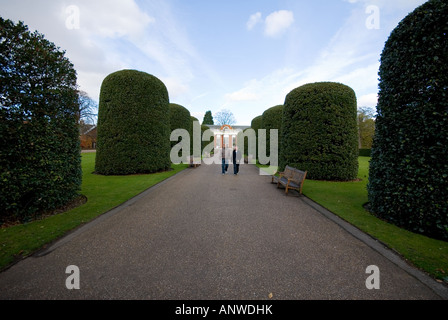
x=39, y=112
x=208, y=119
x=366, y=127
x=225, y=117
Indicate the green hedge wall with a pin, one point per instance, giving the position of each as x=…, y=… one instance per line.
x=133, y=124
x=193, y=120
x=40, y=157
x=272, y=119
x=365, y=152
x=255, y=124
x=180, y=118
x=408, y=183
x=204, y=128
x=319, y=132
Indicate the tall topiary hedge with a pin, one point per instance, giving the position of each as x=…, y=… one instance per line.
x=208, y=118
x=256, y=125
x=40, y=157
x=272, y=119
x=205, y=143
x=408, y=179
x=193, y=120
x=180, y=118
x=319, y=132
x=133, y=124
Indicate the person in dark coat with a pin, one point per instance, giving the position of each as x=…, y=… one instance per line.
x=236, y=157
x=225, y=157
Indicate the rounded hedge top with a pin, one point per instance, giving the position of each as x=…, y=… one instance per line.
x=256, y=123
x=408, y=179
x=272, y=119
x=180, y=117
x=319, y=132
x=133, y=124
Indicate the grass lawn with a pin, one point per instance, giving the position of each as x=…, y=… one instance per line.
x=103, y=193
x=346, y=199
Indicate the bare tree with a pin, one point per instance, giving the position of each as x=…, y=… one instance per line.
x=87, y=108
x=224, y=117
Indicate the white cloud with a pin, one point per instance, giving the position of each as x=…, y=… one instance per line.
x=175, y=87
x=277, y=22
x=271, y=89
x=362, y=78
x=253, y=20
x=113, y=18
x=245, y=94
x=166, y=46
x=368, y=100
x=198, y=115
x=114, y=35
x=91, y=46
x=396, y=4
x=351, y=57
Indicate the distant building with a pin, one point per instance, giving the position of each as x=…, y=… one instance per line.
x=88, y=136
x=226, y=135
x=223, y=135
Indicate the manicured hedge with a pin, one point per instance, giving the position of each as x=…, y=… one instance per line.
x=133, y=124
x=40, y=157
x=180, y=118
x=205, y=143
x=256, y=124
x=208, y=118
x=193, y=120
x=365, y=152
x=246, y=134
x=408, y=183
x=319, y=131
x=272, y=119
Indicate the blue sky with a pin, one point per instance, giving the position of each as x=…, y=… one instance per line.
x=240, y=55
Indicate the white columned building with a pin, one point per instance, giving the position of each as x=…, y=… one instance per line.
x=226, y=135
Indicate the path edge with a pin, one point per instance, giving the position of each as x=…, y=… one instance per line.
x=50, y=247
x=439, y=288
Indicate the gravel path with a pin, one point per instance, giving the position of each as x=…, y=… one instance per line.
x=201, y=235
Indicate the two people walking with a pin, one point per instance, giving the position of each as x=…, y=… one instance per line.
x=226, y=155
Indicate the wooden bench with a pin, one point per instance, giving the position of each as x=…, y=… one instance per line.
x=291, y=178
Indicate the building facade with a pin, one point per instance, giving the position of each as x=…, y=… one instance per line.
x=226, y=135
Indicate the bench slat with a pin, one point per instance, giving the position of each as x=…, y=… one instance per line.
x=291, y=178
